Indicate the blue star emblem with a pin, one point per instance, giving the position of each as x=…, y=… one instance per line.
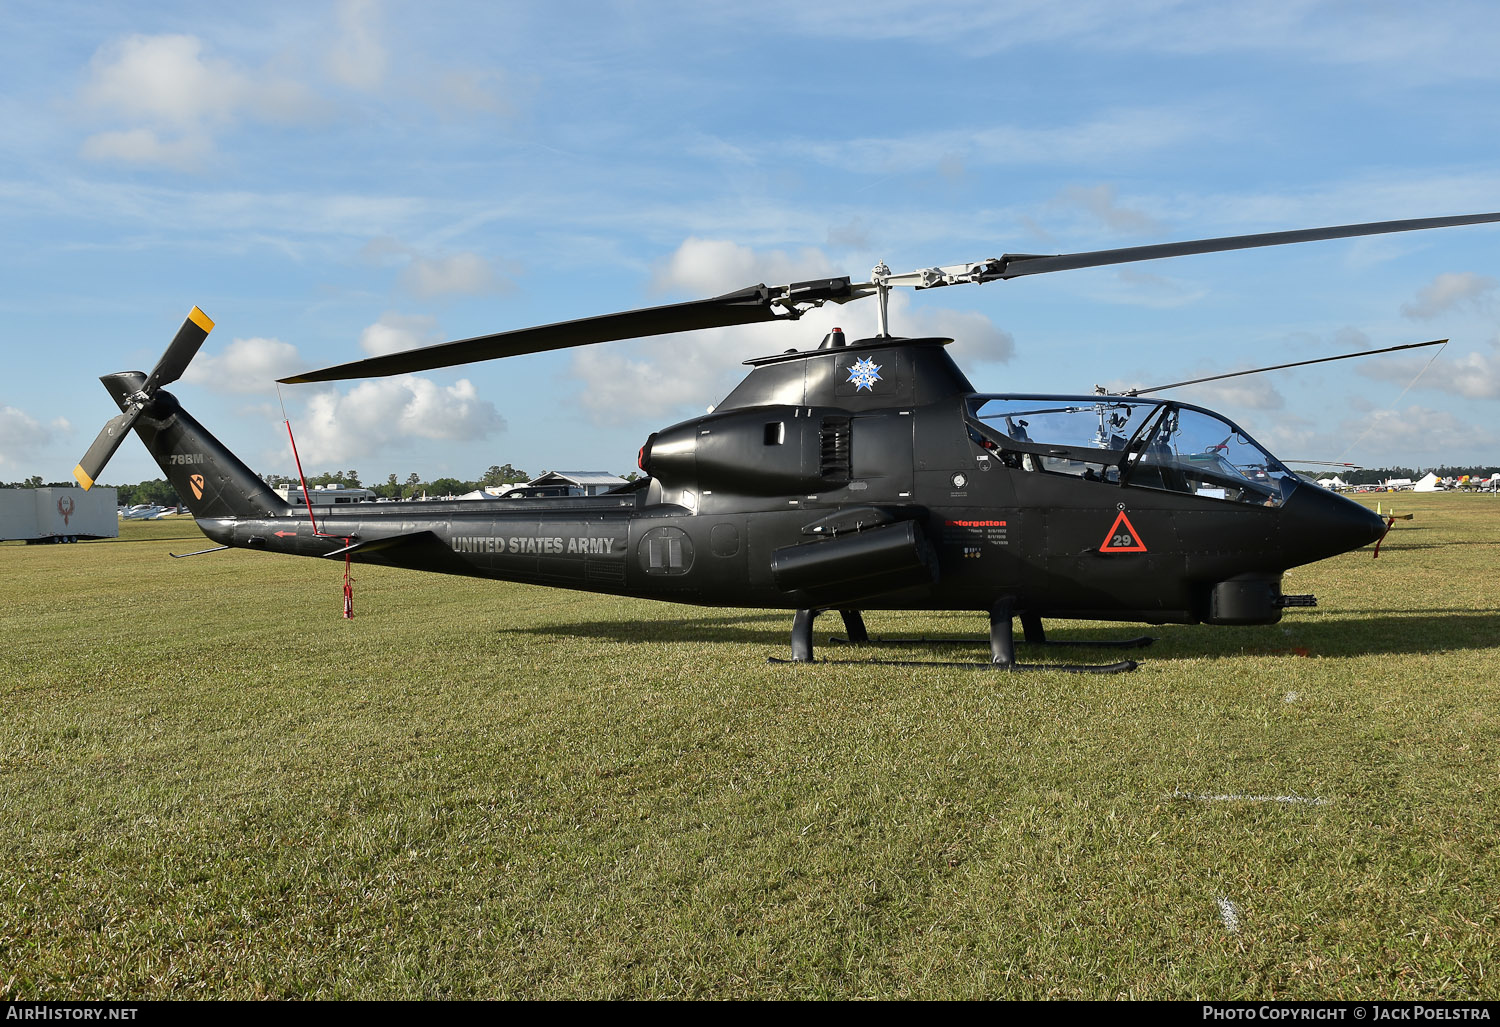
x=864, y=374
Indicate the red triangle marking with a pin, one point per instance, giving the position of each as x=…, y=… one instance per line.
x=1127, y=540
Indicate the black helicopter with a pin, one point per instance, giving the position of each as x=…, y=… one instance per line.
x=862, y=474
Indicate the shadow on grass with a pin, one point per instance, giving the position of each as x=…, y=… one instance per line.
x=775, y=628
x=1401, y=632
x=1397, y=547
x=758, y=628
x=147, y=538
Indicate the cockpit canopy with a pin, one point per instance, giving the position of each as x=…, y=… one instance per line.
x=1130, y=442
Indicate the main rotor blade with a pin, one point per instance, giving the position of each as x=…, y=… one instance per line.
x=759, y=303
x=1014, y=265
x=747, y=306
x=92, y=464
x=1279, y=367
x=180, y=353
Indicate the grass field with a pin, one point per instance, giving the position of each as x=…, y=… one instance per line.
x=213, y=786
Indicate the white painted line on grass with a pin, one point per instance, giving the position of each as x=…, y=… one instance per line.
x=1294, y=800
x=1229, y=914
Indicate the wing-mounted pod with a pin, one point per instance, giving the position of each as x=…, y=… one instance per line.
x=862, y=552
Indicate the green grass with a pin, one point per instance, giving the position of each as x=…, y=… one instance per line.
x=211, y=785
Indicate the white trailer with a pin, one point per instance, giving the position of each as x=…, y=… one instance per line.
x=58, y=514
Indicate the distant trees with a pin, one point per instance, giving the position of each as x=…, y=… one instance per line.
x=449, y=487
x=503, y=474
x=161, y=492
x=158, y=491
x=35, y=482
x=1376, y=475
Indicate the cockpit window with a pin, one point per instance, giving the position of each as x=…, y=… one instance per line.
x=1098, y=423
x=1141, y=443
x=1102, y=423
x=1189, y=450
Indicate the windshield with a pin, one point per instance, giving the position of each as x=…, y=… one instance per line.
x=1141, y=443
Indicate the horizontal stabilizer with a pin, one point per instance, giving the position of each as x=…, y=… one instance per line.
x=375, y=545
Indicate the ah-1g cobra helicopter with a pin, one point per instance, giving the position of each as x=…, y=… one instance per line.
x=861, y=474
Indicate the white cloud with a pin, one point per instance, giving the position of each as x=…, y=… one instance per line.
x=853, y=234
x=23, y=436
x=710, y=267
x=145, y=146
x=245, y=366
x=358, y=57
x=174, y=98
x=1137, y=288
x=1473, y=375
x=1100, y=201
x=976, y=339
x=466, y=91
x=1252, y=392
x=1291, y=436
x=1440, y=40
x=165, y=80
x=466, y=274
x=1449, y=291
x=1421, y=431
x=379, y=414
x=394, y=333
x=1114, y=135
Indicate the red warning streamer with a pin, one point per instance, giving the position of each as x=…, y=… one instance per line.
x=1388, y=523
x=307, y=498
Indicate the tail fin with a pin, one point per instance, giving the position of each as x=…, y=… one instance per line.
x=211, y=480
x=208, y=477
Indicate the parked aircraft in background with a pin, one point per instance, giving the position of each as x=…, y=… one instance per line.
x=143, y=512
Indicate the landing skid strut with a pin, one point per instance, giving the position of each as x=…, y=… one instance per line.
x=1002, y=643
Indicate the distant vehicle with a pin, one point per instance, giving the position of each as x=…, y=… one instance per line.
x=143, y=512
x=57, y=514
x=543, y=492
x=325, y=495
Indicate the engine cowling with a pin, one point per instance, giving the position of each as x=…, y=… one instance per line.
x=764, y=451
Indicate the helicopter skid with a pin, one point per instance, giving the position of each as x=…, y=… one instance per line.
x=1121, y=667
x=1139, y=642
x=1001, y=640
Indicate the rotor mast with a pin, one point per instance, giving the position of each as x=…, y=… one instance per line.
x=882, y=281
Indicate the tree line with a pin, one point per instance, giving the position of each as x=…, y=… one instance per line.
x=1376, y=475
x=161, y=492
x=412, y=488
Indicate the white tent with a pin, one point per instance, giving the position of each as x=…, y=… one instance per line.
x=1429, y=483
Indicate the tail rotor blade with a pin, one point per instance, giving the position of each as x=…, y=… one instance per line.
x=181, y=352
x=92, y=464
x=169, y=368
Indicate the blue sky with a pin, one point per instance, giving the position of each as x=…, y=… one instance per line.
x=333, y=180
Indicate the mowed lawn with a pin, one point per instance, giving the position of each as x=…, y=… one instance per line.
x=211, y=785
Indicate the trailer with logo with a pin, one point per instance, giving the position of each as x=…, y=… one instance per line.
x=58, y=514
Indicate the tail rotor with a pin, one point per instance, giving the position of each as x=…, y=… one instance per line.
x=169, y=368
